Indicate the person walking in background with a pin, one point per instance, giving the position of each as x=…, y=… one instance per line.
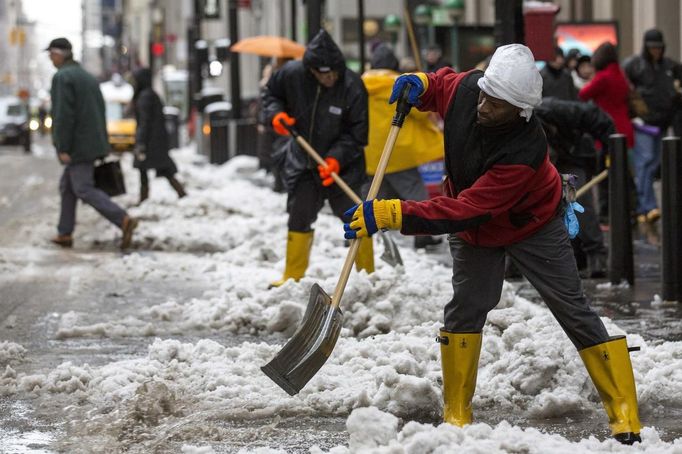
x=79, y=133
x=556, y=80
x=653, y=76
x=583, y=72
x=419, y=142
x=151, y=137
x=503, y=196
x=327, y=103
x=609, y=90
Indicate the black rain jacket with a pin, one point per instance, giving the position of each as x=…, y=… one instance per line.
x=333, y=120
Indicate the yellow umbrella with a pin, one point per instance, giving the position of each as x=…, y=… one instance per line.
x=269, y=46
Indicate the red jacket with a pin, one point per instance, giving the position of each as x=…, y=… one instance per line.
x=500, y=188
x=609, y=90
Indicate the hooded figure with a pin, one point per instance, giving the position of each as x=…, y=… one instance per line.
x=151, y=137
x=327, y=104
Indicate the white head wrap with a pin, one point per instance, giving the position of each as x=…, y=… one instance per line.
x=513, y=76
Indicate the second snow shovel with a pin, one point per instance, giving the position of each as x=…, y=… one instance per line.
x=308, y=349
x=391, y=253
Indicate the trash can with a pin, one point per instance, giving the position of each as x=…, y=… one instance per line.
x=216, y=130
x=538, y=21
x=207, y=96
x=171, y=115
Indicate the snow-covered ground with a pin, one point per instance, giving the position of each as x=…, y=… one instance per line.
x=384, y=373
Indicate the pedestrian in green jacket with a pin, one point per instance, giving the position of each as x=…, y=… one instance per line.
x=79, y=134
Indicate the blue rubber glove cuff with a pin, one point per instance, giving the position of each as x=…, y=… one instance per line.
x=367, y=214
x=571, y=220
x=415, y=90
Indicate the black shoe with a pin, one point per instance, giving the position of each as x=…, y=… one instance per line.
x=596, y=266
x=628, y=438
x=421, y=241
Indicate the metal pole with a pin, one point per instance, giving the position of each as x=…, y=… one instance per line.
x=235, y=85
x=620, y=234
x=314, y=18
x=671, y=207
x=361, y=34
x=293, y=19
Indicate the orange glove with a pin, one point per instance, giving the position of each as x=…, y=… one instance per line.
x=326, y=171
x=278, y=127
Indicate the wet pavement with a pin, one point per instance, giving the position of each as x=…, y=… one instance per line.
x=30, y=308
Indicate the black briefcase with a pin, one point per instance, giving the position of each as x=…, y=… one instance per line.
x=109, y=178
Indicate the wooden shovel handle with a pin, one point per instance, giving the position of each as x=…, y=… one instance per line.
x=596, y=180
x=337, y=179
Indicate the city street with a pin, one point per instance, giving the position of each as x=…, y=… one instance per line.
x=159, y=349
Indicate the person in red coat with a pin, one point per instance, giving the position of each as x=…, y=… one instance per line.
x=503, y=197
x=609, y=90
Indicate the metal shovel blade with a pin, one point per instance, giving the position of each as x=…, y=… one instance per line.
x=308, y=349
x=391, y=253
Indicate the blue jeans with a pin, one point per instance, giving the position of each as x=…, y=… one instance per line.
x=78, y=182
x=647, y=158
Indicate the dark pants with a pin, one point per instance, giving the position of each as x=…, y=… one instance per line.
x=403, y=185
x=78, y=182
x=546, y=259
x=307, y=199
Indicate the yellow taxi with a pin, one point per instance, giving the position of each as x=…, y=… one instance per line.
x=121, y=125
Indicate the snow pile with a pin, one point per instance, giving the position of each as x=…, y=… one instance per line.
x=374, y=431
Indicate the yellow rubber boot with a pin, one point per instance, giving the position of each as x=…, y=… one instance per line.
x=298, y=254
x=459, y=356
x=610, y=368
x=365, y=258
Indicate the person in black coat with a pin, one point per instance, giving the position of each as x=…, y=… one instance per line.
x=556, y=80
x=151, y=137
x=571, y=127
x=327, y=104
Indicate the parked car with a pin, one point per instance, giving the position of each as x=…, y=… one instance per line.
x=14, y=122
x=118, y=94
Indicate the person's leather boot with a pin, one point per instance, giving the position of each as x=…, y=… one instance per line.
x=596, y=266
x=128, y=226
x=298, y=255
x=179, y=188
x=365, y=258
x=459, y=357
x=421, y=241
x=64, y=241
x=610, y=368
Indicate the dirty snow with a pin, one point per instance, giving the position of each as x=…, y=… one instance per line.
x=385, y=368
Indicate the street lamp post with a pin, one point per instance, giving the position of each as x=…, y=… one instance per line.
x=456, y=10
x=422, y=17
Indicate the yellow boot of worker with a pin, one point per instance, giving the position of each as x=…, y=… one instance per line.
x=610, y=368
x=459, y=356
x=298, y=254
x=365, y=257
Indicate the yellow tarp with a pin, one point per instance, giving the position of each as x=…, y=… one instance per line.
x=419, y=141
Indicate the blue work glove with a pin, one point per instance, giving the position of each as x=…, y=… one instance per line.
x=368, y=217
x=418, y=83
x=571, y=220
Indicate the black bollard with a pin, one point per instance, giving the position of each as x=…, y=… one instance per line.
x=621, y=264
x=671, y=219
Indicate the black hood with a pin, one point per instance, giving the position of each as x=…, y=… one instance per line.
x=384, y=58
x=322, y=51
x=652, y=38
x=143, y=80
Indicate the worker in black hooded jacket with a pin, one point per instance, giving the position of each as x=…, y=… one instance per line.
x=327, y=104
x=567, y=124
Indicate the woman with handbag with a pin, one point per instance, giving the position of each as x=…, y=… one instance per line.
x=151, y=137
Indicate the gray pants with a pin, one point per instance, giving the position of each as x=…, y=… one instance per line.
x=78, y=182
x=546, y=259
x=404, y=185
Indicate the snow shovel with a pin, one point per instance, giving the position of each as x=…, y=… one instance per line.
x=391, y=253
x=308, y=349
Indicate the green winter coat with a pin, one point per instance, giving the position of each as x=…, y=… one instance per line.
x=79, y=127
